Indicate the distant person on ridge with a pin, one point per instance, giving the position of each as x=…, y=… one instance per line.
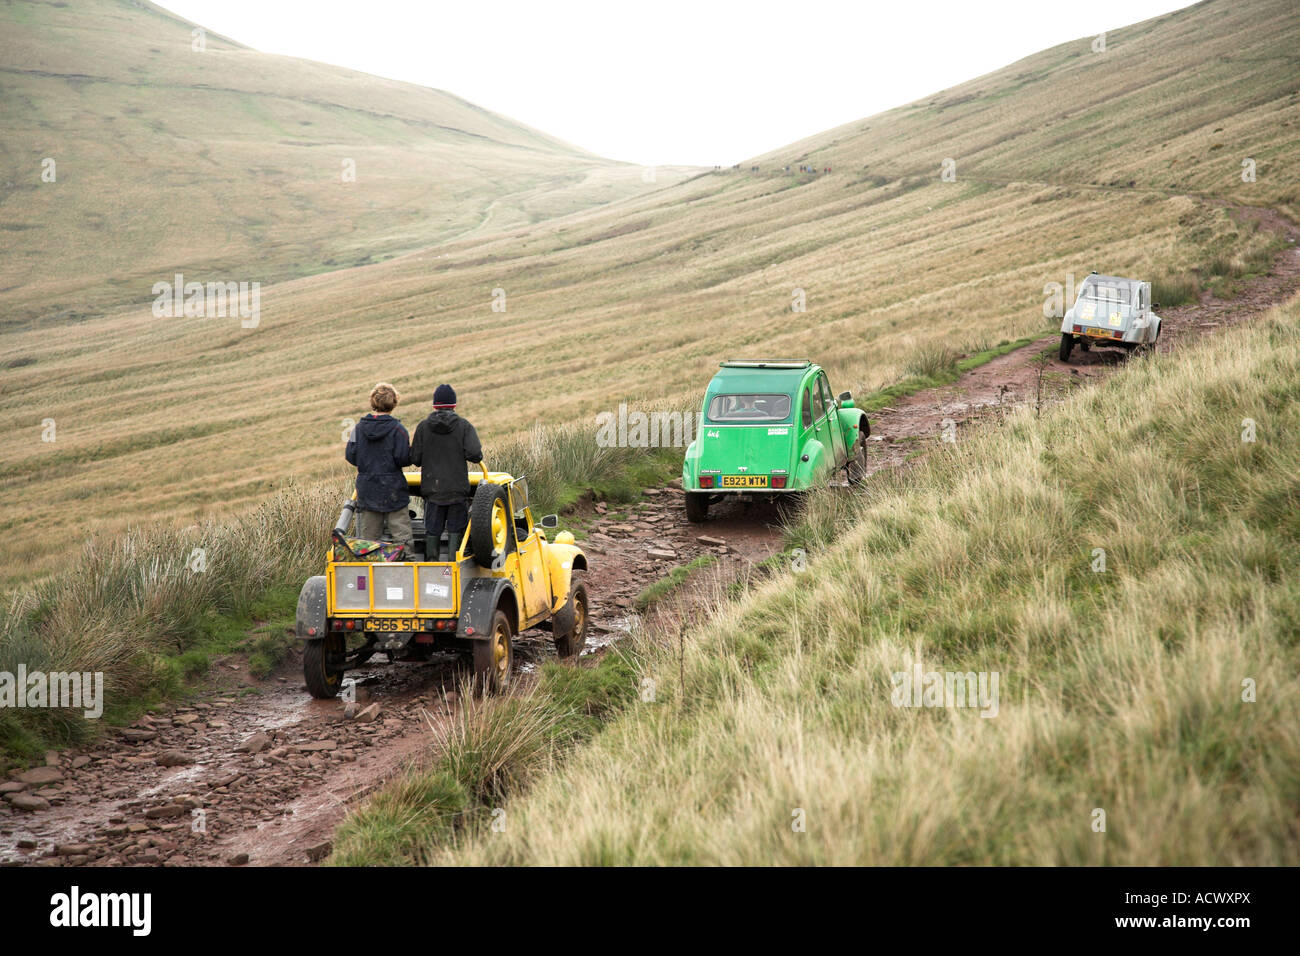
x=444, y=442
x=379, y=446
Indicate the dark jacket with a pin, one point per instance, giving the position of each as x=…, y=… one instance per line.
x=443, y=443
x=380, y=447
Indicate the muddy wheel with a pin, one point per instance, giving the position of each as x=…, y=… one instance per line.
x=494, y=656
x=489, y=523
x=571, y=623
x=856, y=469
x=697, y=507
x=323, y=682
x=1067, y=344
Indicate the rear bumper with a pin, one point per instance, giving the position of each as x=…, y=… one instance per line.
x=734, y=492
x=1100, y=335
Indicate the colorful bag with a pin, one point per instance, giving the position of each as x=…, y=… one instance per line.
x=363, y=549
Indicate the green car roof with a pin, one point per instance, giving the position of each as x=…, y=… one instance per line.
x=760, y=375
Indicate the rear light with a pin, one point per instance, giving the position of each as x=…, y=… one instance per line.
x=350, y=625
x=778, y=481
x=706, y=481
x=1078, y=328
x=1117, y=335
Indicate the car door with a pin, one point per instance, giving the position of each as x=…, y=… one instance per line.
x=818, y=432
x=834, y=442
x=1144, y=311
x=532, y=572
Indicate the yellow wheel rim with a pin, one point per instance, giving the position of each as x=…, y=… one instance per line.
x=579, y=617
x=500, y=525
x=501, y=654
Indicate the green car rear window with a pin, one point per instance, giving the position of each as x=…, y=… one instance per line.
x=749, y=408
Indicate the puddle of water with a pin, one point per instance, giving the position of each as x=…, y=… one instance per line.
x=612, y=629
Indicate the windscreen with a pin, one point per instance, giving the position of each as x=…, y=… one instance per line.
x=752, y=407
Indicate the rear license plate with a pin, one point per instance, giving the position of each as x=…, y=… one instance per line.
x=743, y=481
x=392, y=624
x=1097, y=333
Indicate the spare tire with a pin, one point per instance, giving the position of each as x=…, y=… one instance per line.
x=491, y=526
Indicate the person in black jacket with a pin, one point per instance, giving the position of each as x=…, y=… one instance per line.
x=380, y=447
x=443, y=443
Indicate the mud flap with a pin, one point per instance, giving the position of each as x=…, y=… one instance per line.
x=480, y=601
x=310, y=623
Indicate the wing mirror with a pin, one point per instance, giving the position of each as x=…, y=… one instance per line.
x=845, y=396
x=550, y=521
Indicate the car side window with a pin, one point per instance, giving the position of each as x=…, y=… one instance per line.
x=819, y=405
x=807, y=409
x=826, y=392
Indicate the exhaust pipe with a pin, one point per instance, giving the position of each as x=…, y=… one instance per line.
x=345, y=516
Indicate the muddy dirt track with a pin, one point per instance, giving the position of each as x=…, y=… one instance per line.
x=257, y=772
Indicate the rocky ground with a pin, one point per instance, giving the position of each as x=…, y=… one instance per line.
x=257, y=772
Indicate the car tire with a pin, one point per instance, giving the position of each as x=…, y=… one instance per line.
x=570, y=623
x=494, y=657
x=1067, y=345
x=697, y=507
x=490, y=502
x=856, y=469
x=323, y=682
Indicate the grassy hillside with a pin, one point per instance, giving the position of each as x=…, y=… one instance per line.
x=639, y=300
x=1122, y=690
x=227, y=163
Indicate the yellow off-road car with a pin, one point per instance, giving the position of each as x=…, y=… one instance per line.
x=476, y=594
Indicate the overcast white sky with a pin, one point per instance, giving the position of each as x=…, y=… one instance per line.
x=664, y=82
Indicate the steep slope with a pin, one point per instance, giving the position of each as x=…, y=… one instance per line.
x=639, y=300
x=1137, y=689
x=227, y=163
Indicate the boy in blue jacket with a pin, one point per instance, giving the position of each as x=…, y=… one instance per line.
x=380, y=447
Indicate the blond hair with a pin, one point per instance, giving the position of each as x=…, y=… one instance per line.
x=384, y=398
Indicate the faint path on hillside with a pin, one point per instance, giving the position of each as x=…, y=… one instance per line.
x=277, y=801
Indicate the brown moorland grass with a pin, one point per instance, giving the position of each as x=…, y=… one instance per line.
x=637, y=301
x=228, y=163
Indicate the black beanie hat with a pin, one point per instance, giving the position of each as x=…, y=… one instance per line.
x=444, y=396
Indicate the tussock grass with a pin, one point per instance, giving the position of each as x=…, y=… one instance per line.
x=1120, y=690
x=564, y=462
x=932, y=360
x=488, y=750
x=1174, y=290
x=144, y=607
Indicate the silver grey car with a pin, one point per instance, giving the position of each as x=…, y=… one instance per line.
x=1110, y=312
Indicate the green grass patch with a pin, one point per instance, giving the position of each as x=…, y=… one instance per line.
x=671, y=581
